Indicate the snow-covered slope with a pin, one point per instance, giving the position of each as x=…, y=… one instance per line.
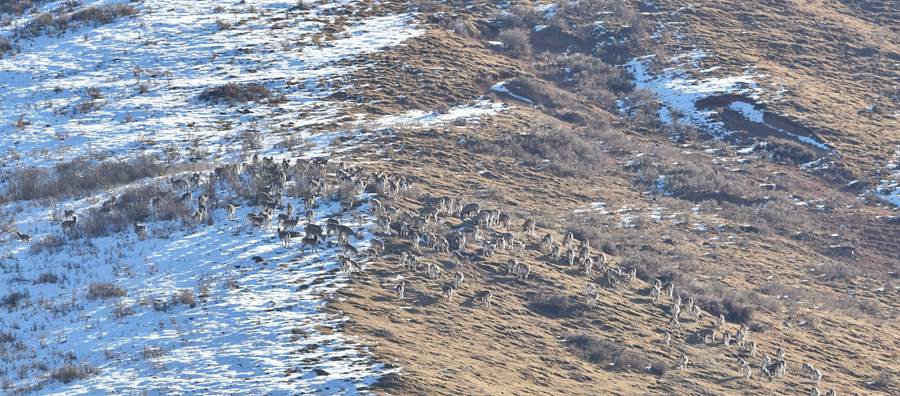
x=150, y=69
x=219, y=309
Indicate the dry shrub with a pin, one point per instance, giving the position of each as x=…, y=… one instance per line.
x=123, y=310
x=185, y=297
x=789, y=151
x=104, y=290
x=884, y=381
x=587, y=75
x=611, y=355
x=429, y=6
x=5, y=46
x=51, y=243
x=71, y=372
x=18, y=7
x=557, y=306
x=233, y=93
x=78, y=176
x=643, y=107
x=63, y=21
x=562, y=150
x=133, y=205
x=517, y=41
x=7, y=337
x=47, y=277
x=12, y=300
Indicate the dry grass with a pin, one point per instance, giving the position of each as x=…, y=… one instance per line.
x=560, y=150
x=71, y=372
x=78, y=177
x=104, y=290
x=233, y=93
x=517, y=41
x=611, y=355
x=65, y=20
x=14, y=299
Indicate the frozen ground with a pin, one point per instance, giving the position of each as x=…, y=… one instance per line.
x=257, y=326
x=150, y=69
x=679, y=93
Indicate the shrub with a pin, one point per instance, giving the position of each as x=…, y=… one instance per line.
x=71, y=372
x=789, y=151
x=52, y=243
x=883, y=381
x=78, y=176
x=517, y=41
x=5, y=46
x=133, y=205
x=63, y=21
x=557, y=306
x=611, y=355
x=186, y=297
x=233, y=93
x=560, y=150
x=47, y=277
x=104, y=290
x=11, y=301
x=7, y=337
x=589, y=76
x=123, y=310
x=429, y=6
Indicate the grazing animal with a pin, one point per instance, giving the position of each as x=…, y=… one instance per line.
x=23, y=237
x=312, y=229
x=310, y=240
x=448, y=289
x=69, y=214
x=485, y=297
x=746, y=370
x=683, y=362
x=813, y=373
x=458, y=279
x=288, y=223
x=523, y=272
x=512, y=266
x=528, y=227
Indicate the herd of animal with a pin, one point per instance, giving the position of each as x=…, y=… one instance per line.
x=438, y=229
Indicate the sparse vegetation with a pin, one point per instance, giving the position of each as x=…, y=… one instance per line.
x=233, y=93
x=104, y=290
x=562, y=151
x=557, y=306
x=611, y=355
x=67, y=19
x=517, y=41
x=14, y=299
x=78, y=176
x=71, y=372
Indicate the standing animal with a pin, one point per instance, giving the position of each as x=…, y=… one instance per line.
x=68, y=226
x=400, y=289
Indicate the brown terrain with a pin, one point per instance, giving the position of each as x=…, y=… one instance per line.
x=800, y=259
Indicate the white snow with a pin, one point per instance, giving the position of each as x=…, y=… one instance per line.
x=269, y=335
x=500, y=88
x=679, y=93
x=174, y=53
x=465, y=112
x=676, y=91
x=748, y=111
